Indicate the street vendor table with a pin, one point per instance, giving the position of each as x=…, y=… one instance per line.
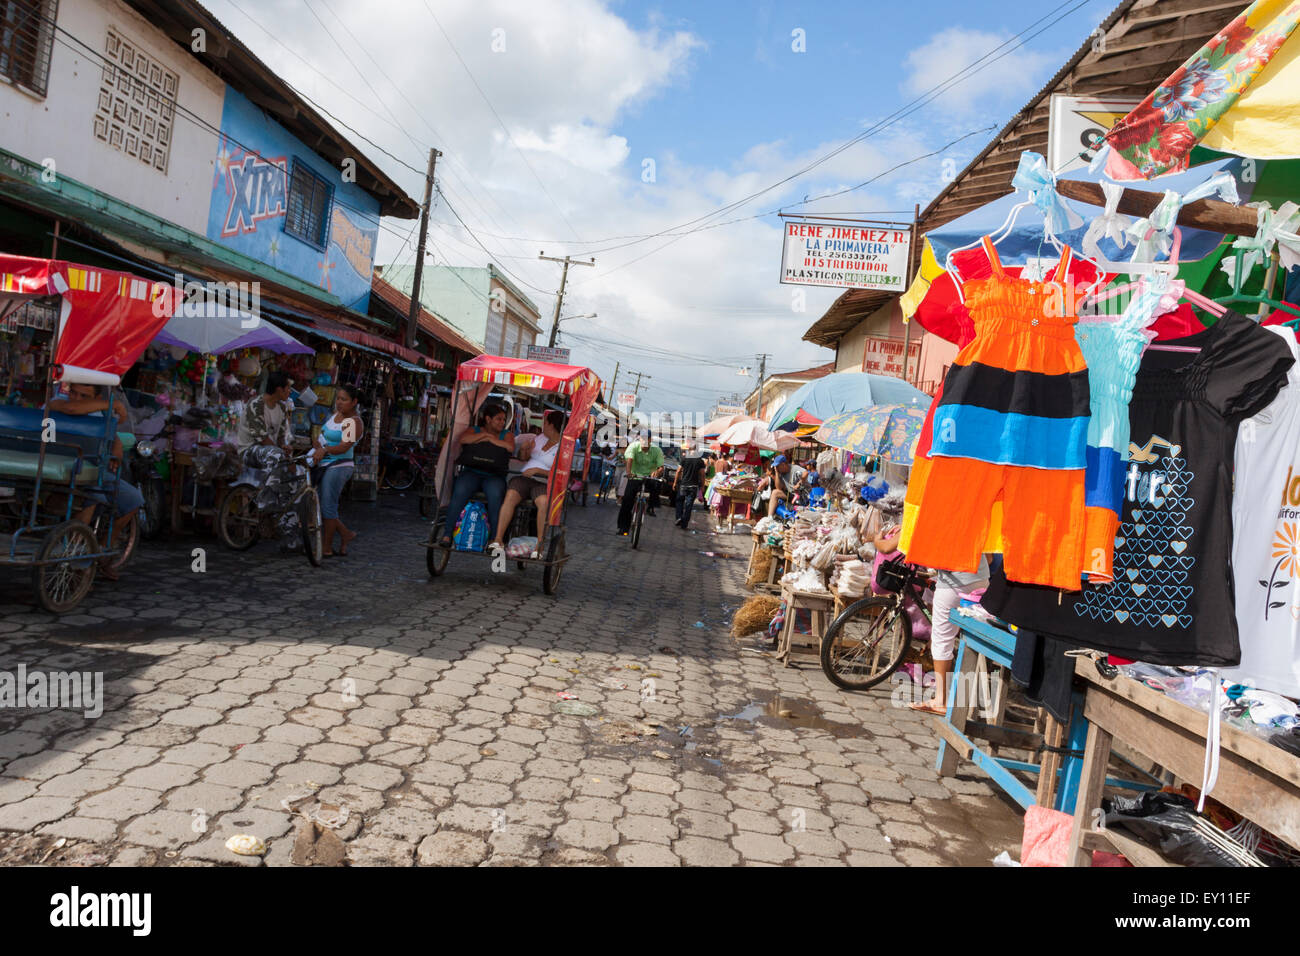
x=182, y=463
x=1256, y=779
x=983, y=643
x=819, y=604
x=774, y=566
x=732, y=499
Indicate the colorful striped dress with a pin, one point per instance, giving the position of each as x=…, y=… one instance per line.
x=1009, y=437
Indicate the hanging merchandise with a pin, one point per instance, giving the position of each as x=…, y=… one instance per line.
x=1171, y=601
x=1266, y=540
x=1113, y=349
x=1008, y=438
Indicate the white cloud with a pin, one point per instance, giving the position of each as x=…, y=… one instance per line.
x=990, y=85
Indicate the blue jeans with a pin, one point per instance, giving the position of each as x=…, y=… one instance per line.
x=466, y=485
x=129, y=498
x=685, y=502
x=331, y=486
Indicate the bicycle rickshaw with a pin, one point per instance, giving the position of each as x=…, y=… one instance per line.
x=495, y=374
x=106, y=320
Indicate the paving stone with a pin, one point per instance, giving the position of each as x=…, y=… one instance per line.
x=27, y=814
x=402, y=823
x=762, y=848
x=163, y=829
x=587, y=835
x=700, y=851
x=645, y=854
x=374, y=776
x=78, y=783
x=380, y=851
x=120, y=803
x=160, y=776
x=648, y=829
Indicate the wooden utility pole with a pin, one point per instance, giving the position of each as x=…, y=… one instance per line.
x=907, y=283
x=636, y=390
x=413, y=317
x=613, y=382
x=762, y=376
x=559, y=296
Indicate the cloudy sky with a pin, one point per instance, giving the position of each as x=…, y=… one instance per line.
x=662, y=138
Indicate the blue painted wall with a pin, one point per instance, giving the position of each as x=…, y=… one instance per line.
x=255, y=157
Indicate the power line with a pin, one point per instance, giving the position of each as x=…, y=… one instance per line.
x=510, y=137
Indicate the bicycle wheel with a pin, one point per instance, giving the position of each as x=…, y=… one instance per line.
x=866, y=643
x=400, y=477
x=638, y=515
x=154, y=511
x=238, y=522
x=309, y=522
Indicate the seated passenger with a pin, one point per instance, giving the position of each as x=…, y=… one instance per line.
x=85, y=400
x=485, y=461
x=540, y=451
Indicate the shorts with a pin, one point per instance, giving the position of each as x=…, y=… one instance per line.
x=129, y=498
x=530, y=489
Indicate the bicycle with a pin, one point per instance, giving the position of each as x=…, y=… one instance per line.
x=867, y=642
x=277, y=501
x=606, y=482
x=406, y=462
x=638, y=512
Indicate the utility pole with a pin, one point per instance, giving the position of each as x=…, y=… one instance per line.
x=413, y=317
x=637, y=389
x=762, y=377
x=613, y=382
x=559, y=296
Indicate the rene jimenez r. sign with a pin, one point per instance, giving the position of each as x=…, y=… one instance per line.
x=847, y=257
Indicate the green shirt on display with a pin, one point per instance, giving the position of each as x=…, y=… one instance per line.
x=643, y=461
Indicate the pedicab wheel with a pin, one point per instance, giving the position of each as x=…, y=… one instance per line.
x=238, y=523
x=310, y=524
x=63, y=584
x=554, y=565
x=866, y=643
x=435, y=555
x=127, y=541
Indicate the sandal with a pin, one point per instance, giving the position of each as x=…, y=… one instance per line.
x=929, y=708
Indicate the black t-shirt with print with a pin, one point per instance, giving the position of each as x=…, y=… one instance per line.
x=1171, y=601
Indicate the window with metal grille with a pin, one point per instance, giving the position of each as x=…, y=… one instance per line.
x=494, y=334
x=26, y=40
x=308, y=214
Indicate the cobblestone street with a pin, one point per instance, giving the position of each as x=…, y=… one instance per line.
x=427, y=709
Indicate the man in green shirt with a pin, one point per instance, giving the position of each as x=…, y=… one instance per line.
x=645, y=463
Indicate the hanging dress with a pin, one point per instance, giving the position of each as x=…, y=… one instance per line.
x=1010, y=433
x=1113, y=349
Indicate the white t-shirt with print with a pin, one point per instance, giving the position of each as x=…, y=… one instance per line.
x=1266, y=540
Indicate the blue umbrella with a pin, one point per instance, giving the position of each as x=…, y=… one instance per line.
x=841, y=392
x=1026, y=238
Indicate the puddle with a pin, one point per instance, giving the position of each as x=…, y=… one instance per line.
x=777, y=711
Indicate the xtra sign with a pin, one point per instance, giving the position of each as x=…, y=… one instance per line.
x=1076, y=124
x=848, y=257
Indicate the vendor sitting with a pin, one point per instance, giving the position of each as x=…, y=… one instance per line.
x=85, y=400
x=265, y=423
x=539, y=454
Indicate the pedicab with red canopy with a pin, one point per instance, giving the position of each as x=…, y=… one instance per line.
x=498, y=376
x=106, y=319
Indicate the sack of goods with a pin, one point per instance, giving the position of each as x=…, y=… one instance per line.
x=472, y=530
x=853, y=580
x=520, y=547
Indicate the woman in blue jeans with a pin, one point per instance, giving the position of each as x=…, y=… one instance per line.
x=334, y=453
x=488, y=477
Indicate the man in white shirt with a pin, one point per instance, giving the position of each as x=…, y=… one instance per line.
x=539, y=453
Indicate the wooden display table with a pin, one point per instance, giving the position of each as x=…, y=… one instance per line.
x=770, y=585
x=1256, y=779
x=734, y=498
x=182, y=463
x=820, y=603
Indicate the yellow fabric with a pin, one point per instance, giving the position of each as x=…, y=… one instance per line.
x=1264, y=123
x=929, y=271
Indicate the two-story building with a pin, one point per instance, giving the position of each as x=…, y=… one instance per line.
x=142, y=135
x=478, y=302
